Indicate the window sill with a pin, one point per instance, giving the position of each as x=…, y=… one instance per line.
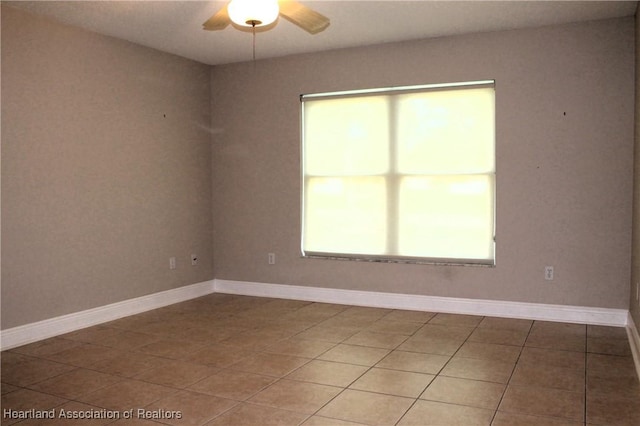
x=400, y=260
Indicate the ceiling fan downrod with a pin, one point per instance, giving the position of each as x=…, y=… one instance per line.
x=253, y=23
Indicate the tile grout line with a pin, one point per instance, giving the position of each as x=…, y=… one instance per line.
x=586, y=349
x=435, y=376
x=261, y=350
x=367, y=370
x=279, y=379
x=506, y=387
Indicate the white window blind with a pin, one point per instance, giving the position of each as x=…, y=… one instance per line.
x=400, y=174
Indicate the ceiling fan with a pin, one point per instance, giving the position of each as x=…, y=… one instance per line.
x=260, y=13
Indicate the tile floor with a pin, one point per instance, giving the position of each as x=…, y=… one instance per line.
x=234, y=360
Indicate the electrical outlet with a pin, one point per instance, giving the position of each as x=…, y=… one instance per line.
x=548, y=273
x=194, y=259
x=172, y=263
x=272, y=258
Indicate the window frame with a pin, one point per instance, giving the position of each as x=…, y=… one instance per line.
x=391, y=258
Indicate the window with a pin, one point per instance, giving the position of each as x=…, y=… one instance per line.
x=403, y=174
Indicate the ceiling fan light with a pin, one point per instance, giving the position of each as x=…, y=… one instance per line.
x=249, y=13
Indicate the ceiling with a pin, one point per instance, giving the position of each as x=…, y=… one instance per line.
x=176, y=26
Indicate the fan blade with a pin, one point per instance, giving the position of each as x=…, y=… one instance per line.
x=304, y=17
x=219, y=21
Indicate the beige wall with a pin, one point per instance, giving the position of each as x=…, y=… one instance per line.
x=634, y=305
x=107, y=166
x=564, y=162
x=106, y=170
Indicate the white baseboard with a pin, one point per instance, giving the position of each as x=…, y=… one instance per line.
x=495, y=308
x=40, y=330
x=33, y=332
x=634, y=342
